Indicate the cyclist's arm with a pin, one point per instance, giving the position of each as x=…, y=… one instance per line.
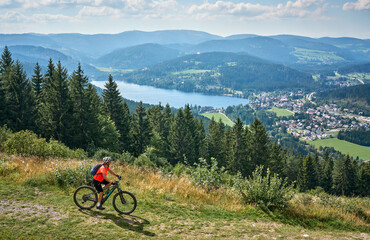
x=105, y=177
x=112, y=172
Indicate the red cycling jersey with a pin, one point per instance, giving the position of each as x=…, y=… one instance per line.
x=99, y=174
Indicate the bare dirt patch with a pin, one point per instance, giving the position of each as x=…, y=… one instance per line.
x=25, y=211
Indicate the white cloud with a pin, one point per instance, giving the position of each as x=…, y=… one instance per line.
x=299, y=8
x=5, y=2
x=359, y=5
x=98, y=11
x=12, y=16
x=46, y=18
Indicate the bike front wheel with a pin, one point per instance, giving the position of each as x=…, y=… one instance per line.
x=124, y=202
x=85, y=197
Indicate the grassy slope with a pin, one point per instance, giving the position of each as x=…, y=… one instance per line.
x=167, y=209
x=218, y=116
x=281, y=112
x=344, y=147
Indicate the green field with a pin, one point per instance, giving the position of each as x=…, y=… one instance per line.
x=281, y=112
x=218, y=116
x=344, y=147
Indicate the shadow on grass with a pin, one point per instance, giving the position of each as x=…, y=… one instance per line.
x=130, y=222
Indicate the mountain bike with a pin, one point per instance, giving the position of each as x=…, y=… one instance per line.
x=124, y=202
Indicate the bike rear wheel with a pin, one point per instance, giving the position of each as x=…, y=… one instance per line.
x=124, y=202
x=85, y=197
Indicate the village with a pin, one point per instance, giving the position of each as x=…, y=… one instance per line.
x=318, y=122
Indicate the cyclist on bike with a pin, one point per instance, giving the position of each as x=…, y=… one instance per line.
x=101, y=178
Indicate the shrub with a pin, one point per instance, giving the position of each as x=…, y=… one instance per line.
x=28, y=144
x=269, y=192
x=208, y=175
x=4, y=134
x=180, y=169
x=66, y=177
x=126, y=157
x=150, y=159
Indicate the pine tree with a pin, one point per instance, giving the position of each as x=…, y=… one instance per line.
x=140, y=130
x=215, y=137
x=327, y=178
x=344, y=177
x=307, y=178
x=191, y=149
x=260, y=144
x=117, y=110
x=46, y=119
x=83, y=123
x=177, y=136
x=228, y=148
x=240, y=161
x=20, y=100
x=364, y=179
x=318, y=169
x=277, y=160
x=6, y=66
x=167, y=118
x=37, y=80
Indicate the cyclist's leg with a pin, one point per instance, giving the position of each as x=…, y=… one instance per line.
x=99, y=189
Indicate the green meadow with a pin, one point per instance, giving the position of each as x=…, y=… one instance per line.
x=344, y=147
x=218, y=116
x=281, y=112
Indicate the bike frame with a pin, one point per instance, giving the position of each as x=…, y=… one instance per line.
x=105, y=198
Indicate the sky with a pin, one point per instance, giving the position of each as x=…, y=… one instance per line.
x=312, y=18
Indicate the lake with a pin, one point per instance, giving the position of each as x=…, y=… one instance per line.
x=174, y=98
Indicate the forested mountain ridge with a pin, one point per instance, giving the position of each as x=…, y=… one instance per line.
x=137, y=56
x=220, y=70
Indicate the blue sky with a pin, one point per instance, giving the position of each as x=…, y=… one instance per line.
x=313, y=18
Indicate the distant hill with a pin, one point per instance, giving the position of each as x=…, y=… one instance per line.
x=138, y=56
x=262, y=47
x=358, y=68
x=97, y=45
x=202, y=72
x=29, y=55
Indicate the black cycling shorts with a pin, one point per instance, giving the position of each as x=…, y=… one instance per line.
x=98, y=186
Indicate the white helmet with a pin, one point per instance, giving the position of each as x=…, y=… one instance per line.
x=107, y=159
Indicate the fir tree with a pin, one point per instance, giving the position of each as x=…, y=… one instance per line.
x=6, y=66
x=327, y=178
x=140, y=130
x=20, y=100
x=215, y=137
x=344, y=177
x=37, y=80
x=117, y=110
x=82, y=124
x=260, y=144
x=228, y=149
x=177, y=138
x=364, y=179
x=277, y=160
x=307, y=178
x=46, y=119
x=240, y=161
